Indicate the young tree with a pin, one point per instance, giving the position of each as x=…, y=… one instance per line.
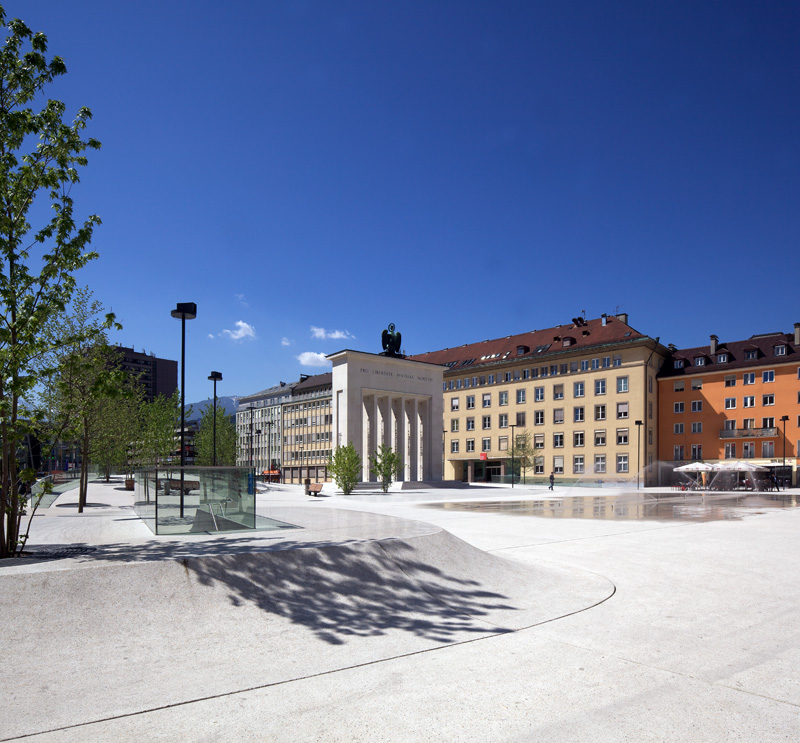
x=226, y=439
x=161, y=422
x=522, y=453
x=47, y=169
x=386, y=465
x=344, y=464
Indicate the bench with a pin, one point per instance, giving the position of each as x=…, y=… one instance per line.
x=314, y=488
x=175, y=484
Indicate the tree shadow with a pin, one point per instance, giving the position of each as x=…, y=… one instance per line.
x=338, y=591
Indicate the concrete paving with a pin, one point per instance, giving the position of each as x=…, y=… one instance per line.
x=382, y=617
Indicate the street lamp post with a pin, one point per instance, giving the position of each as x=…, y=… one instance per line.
x=638, y=450
x=215, y=377
x=783, y=469
x=513, y=442
x=183, y=311
x=269, y=449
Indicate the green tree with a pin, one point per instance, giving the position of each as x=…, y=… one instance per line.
x=344, y=465
x=226, y=439
x=161, y=422
x=386, y=465
x=40, y=158
x=522, y=453
x=118, y=429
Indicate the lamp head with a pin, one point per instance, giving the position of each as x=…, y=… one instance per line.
x=185, y=311
x=215, y=376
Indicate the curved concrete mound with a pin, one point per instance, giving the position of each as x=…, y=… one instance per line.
x=116, y=639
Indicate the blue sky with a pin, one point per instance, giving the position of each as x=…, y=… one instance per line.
x=308, y=172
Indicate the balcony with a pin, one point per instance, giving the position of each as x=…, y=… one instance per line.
x=749, y=433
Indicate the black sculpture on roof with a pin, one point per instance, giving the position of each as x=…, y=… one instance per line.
x=391, y=342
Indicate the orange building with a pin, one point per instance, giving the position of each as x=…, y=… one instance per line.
x=736, y=400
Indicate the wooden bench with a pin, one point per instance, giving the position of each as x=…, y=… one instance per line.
x=315, y=488
x=188, y=485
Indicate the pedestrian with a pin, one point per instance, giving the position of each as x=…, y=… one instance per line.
x=552, y=480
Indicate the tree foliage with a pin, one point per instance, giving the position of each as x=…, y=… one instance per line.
x=40, y=159
x=161, y=422
x=226, y=439
x=385, y=464
x=522, y=453
x=344, y=465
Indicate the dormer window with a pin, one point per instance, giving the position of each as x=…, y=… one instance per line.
x=780, y=350
x=522, y=350
x=678, y=363
x=722, y=358
x=567, y=342
x=700, y=361
x=750, y=354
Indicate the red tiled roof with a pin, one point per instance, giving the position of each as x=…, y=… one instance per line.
x=538, y=343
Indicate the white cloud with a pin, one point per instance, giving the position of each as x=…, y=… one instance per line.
x=211, y=336
x=322, y=334
x=309, y=358
x=285, y=341
x=243, y=330
x=241, y=299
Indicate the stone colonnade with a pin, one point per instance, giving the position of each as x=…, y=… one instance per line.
x=398, y=421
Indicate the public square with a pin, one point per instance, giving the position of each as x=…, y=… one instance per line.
x=441, y=614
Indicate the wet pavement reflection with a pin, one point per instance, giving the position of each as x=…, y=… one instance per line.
x=635, y=506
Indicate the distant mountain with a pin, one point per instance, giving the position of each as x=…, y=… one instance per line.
x=225, y=406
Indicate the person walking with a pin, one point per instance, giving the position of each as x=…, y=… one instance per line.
x=552, y=480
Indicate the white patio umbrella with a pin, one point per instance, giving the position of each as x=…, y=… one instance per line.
x=739, y=465
x=695, y=467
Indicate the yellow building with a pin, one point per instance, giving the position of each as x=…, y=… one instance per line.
x=583, y=394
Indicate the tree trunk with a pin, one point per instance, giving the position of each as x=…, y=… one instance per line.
x=84, y=468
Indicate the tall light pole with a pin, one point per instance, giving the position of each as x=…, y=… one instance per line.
x=183, y=311
x=783, y=469
x=638, y=450
x=215, y=377
x=513, y=441
x=269, y=449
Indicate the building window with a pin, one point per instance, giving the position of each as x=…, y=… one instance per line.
x=730, y=403
x=748, y=449
x=454, y=446
x=622, y=384
x=749, y=423
x=577, y=438
x=677, y=429
x=577, y=390
x=503, y=420
x=697, y=451
x=507, y=376
x=502, y=443
x=768, y=399
x=767, y=448
x=599, y=438
x=538, y=466
x=677, y=407
x=697, y=427
x=606, y=362
x=558, y=415
x=577, y=414
x=677, y=453
x=750, y=354
x=538, y=394
x=599, y=412
x=677, y=386
x=595, y=363
x=486, y=422
x=780, y=350
x=491, y=379
x=700, y=361
x=454, y=404
x=470, y=424
x=730, y=450
x=600, y=464
x=622, y=463
x=749, y=401
x=722, y=358
x=520, y=419
x=599, y=386
x=487, y=400
x=538, y=417
x=768, y=376
x=622, y=410
x=454, y=425
x=697, y=384
x=729, y=425
x=520, y=397
x=585, y=367
x=697, y=406
x=558, y=391
x=502, y=398
x=677, y=363
x=622, y=437
x=749, y=378
x=730, y=380
x=538, y=441
x=577, y=464
x=617, y=359
x=486, y=444
x=558, y=465
x=768, y=422
x=470, y=445
x=470, y=402
x=558, y=440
